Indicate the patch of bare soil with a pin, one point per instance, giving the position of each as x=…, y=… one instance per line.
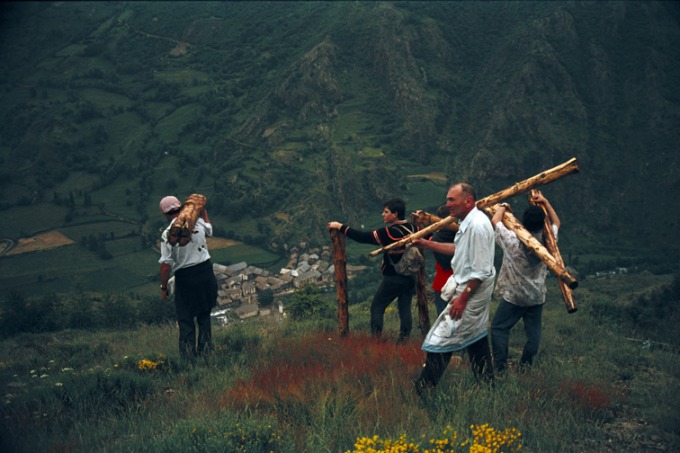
x=220, y=243
x=437, y=177
x=44, y=241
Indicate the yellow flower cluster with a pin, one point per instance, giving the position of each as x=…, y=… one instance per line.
x=150, y=365
x=485, y=440
x=488, y=440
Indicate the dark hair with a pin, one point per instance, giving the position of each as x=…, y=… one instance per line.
x=396, y=205
x=443, y=211
x=533, y=219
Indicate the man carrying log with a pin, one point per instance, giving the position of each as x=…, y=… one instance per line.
x=463, y=324
x=521, y=282
x=195, y=283
x=394, y=285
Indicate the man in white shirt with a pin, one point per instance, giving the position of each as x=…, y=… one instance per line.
x=195, y=283
x=468, y=291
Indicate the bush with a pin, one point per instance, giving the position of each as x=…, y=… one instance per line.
x=309, y=303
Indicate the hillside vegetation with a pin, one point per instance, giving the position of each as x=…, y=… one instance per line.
x=289, y=114
x=605, y=380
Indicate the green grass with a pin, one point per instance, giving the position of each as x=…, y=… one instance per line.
x=295, y=386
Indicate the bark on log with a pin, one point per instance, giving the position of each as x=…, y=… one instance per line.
x=421, y=293
x=340, y=269
x=543, y=178
x=422, y=219
x=551, y=245
x=418, y=234
x=511, y=222
x=185, y=222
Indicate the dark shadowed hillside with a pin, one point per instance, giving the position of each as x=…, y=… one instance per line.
x=289, y=114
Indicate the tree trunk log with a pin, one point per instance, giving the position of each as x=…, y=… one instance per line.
x=511, y=222
x=421, y=293
x=551, y=245
x=541, y=179
x=185, y=222
x=422, y=219
x=546, y=177
x=340, y=268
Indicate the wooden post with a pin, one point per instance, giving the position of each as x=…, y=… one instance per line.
x=551, y=245
x=340, y=268
x=546, y=177
x=421, y=293
x=511, y=222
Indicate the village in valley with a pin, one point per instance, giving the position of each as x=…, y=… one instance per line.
x=240, y=285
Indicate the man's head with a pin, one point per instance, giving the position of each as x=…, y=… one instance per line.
x=396, y=207
x=460, y=200
x=533, y=219
x=170, y=205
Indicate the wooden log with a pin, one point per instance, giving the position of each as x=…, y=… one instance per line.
x=543, y=178
x=422, y=219
x=551, y=245
x=418, y=234
x=421, y=293
x=185, y=222
x=511, y=222
x=340, y=269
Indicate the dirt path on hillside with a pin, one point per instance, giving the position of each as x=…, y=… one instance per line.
x=43, y=241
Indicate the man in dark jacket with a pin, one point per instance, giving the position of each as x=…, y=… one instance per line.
x=393, y=285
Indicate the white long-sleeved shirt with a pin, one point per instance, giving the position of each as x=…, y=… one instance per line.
x=195, y=252
x=474, y=249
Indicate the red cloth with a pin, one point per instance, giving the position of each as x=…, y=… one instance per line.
x=440, y=277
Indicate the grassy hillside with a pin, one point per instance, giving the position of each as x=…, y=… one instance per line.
x=605, y=380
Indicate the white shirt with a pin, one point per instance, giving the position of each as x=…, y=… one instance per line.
x=195, y=252
x=474, y=249
x=521, y=280
x=473, y=260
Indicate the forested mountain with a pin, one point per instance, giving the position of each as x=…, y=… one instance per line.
x=289, y=114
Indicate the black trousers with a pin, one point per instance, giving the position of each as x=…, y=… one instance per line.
x=436, y=363
x=400, y=287
x=195, y=297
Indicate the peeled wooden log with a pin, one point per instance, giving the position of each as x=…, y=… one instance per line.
x=543, y=178
x=340, y=270
x=422, y=219
x=185, y=222
x=511, y=222
x=418, y=234
x=551, y=245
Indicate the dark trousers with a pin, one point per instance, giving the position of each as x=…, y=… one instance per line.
x=195, y=297
x=436, y=363
x=507, y=315
x=439, y=302
x=400, y=287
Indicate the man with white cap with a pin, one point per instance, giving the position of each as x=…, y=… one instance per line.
x=195, y=283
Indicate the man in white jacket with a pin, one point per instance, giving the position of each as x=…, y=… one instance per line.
x=468, y=291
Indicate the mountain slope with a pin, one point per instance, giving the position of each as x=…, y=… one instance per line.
x=289, y=114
